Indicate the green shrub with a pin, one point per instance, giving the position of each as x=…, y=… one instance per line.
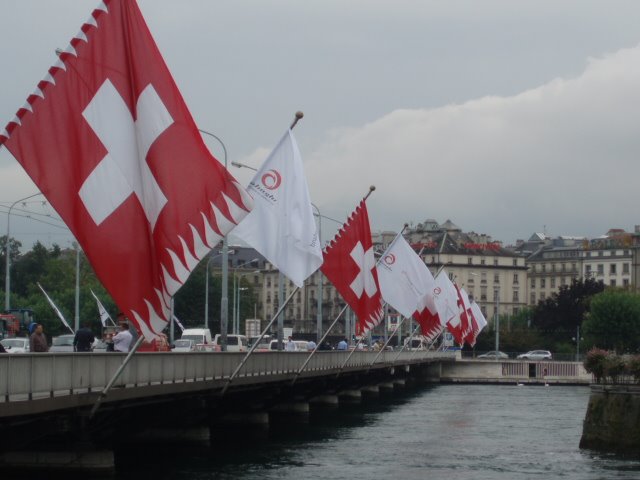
x=633, y=367
x=614, y=366
x=594, y=363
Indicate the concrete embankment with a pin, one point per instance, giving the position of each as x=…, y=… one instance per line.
x=612, y=422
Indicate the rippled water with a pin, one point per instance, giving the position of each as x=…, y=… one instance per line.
x=449, y=432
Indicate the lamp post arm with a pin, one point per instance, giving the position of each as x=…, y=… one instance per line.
x=7, y=283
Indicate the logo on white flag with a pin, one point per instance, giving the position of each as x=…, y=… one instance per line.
x=390, y=259
x=271, y=180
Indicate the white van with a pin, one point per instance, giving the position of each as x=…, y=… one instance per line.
x=235, y=343
x=200, y=336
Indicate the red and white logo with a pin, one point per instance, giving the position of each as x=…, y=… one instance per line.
x=271, y=180
x=437, y=291
x=389, y=259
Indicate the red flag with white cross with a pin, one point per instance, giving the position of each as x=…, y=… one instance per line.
x=349, y=264
x=108, y=139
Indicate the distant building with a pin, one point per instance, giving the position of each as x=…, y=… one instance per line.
x=611, y=259
x=492, y=275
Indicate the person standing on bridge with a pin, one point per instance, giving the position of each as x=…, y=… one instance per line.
x=38, y=340
x=122, y=339
x=121, y=318
x=84, y=338
x=342, y=344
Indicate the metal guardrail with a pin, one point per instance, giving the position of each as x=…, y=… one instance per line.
x=31, y=376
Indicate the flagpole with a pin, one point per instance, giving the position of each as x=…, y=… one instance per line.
x=408, y=343
x=386, y=343
x=308, y=359
x=255, y=344
x=121, y=368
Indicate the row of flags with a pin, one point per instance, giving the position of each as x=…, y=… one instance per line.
x=108, y=139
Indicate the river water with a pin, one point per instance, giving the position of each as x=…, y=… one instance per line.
x=456, y=432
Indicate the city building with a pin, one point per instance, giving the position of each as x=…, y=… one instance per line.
x=492, y=275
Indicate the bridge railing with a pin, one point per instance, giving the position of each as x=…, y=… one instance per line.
x=30, y=376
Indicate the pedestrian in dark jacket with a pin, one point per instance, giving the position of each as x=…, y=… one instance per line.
x=84, y=339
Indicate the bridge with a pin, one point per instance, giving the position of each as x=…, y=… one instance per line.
x=46, y=399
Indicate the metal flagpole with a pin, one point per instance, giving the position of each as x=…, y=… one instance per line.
x=255, y=344
x=121, y=368
x=308, y=359
x=402, y=319
x=413, y=331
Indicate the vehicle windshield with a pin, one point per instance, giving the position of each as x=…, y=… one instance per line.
x=195, y=338
x=63, y=341
x=14, y=342
x=184, y=343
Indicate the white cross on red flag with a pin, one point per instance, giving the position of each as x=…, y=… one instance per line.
x=109, y=141
x=350, y=265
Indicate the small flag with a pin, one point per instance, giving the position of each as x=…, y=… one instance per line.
x=104, y=315
x=56, y=309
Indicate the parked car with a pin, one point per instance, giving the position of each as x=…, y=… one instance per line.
x=99, y=346
x=493, y=355
x=184, y=345
x=536, y=355
x=235, y=343
x=301, y=345
x=15, y=345
x=62, y=344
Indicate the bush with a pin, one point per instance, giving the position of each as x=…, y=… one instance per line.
x=633, y=367
x=614, y=366
x=594, y=363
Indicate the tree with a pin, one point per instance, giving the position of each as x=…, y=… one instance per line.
x=557, y=317
x=614, y=321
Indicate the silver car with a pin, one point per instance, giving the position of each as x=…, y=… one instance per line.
x=62, y=344
x=536, y=355
x=493, y=355
x=15, y=345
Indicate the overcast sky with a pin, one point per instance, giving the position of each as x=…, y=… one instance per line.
x=508, y=117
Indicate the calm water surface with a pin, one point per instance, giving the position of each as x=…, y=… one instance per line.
x=448, y=432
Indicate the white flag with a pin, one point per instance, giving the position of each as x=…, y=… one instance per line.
x=56, y=309
x=180, y=326
x=104, y=315
x=480, y=320
x=281, y=225
x=446, y=299
x=405, y=281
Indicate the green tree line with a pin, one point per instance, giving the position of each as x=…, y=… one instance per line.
x=607, y=317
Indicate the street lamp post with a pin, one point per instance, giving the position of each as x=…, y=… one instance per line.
x=76, y=318
x=206, y=292
x=224, y=302
x=236, y=327
x=234, y=288
x=319, y=287
x=7, y=283
x=497, y=320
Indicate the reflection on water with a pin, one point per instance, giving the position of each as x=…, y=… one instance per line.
x=450, y=431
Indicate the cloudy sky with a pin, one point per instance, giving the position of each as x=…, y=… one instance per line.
x=508, y=117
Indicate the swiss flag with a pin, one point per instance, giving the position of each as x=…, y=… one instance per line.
x=349, y=263
x=109, y=141
x=429, y=323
